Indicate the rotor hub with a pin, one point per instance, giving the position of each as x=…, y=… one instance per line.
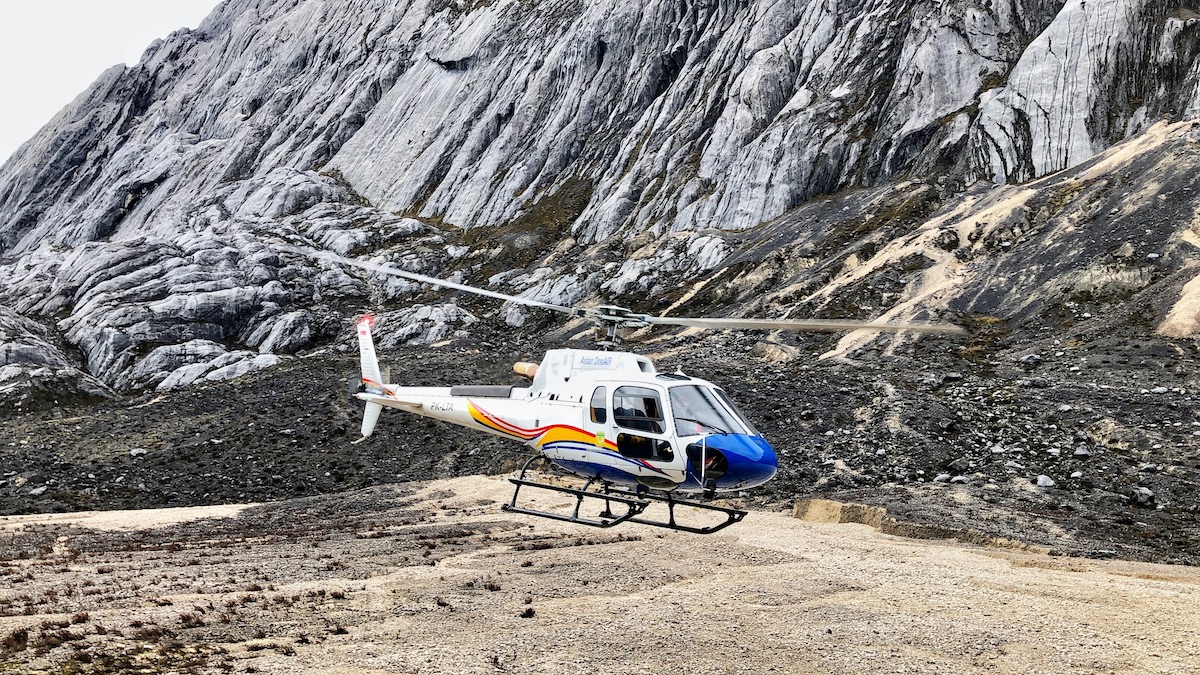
x=614, y=324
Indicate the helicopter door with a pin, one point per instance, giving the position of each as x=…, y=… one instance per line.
x=640, y=425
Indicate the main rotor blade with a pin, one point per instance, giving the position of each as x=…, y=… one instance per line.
x=625, y=317
x=806, y=325
x=374, y=267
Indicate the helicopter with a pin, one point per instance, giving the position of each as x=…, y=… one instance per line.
x=635, y=436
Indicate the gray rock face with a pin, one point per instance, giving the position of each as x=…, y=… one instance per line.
x=155, y=310
x=422, y=325
x=258, y=87
x=1086, y=82
x=653, y=153
x=32, y=366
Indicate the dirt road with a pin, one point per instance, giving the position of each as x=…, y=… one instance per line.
x=434, y=578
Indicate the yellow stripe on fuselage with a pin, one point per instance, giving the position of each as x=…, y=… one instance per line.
x=549, y=434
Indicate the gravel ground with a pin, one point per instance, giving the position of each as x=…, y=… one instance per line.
x=434, y=578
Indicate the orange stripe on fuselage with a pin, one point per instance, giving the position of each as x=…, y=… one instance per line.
x=543, y=435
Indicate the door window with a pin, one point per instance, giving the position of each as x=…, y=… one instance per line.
x=599, y=407
x=638, y=408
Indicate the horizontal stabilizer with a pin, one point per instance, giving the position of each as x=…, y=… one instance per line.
x=389, y=401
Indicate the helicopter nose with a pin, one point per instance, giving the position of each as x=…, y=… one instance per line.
x=751, y=459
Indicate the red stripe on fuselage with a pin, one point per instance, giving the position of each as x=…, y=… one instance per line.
x=508, y=426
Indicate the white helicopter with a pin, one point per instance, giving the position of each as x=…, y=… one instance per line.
x=634, y=435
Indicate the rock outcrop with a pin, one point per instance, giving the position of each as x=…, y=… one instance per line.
x=34, y=369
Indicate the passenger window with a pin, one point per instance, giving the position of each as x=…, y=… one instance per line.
x=638, y=408
x=599, y=407
x=640, y=447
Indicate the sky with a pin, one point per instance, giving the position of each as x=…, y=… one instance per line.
x=51, y=50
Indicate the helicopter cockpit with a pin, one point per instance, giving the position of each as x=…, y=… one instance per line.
x=643, y=417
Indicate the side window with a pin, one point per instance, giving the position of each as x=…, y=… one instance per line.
x=638, y=408
x=599, y=407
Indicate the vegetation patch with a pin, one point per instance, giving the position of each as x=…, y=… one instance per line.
x=989, y=335
x=1064, y=195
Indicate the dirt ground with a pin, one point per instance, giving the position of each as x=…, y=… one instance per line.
x=434, y=578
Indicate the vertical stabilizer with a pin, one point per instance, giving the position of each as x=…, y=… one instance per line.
x=371, y=379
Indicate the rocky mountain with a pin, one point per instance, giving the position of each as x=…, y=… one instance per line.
x=1027, y=168
x=575, y=151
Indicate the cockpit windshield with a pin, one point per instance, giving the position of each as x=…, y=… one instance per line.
x=734, y=409
x=705, y=410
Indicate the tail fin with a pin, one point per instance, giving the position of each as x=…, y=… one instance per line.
x=371, y=379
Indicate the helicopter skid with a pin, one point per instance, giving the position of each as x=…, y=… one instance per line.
x=634, y=506
x=731, y=515
x=635, y=503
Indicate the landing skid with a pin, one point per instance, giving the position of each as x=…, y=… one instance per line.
x=635, y=504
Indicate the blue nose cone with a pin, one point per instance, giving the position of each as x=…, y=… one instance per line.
x=751, y=459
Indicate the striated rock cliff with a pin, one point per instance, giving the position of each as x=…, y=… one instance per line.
x=790, y=158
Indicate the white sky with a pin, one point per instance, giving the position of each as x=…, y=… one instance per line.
x=51, y=50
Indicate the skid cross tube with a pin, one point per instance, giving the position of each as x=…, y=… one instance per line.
x=634, y=505
x=731, y=515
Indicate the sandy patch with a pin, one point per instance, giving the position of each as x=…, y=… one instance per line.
x=125, y=520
